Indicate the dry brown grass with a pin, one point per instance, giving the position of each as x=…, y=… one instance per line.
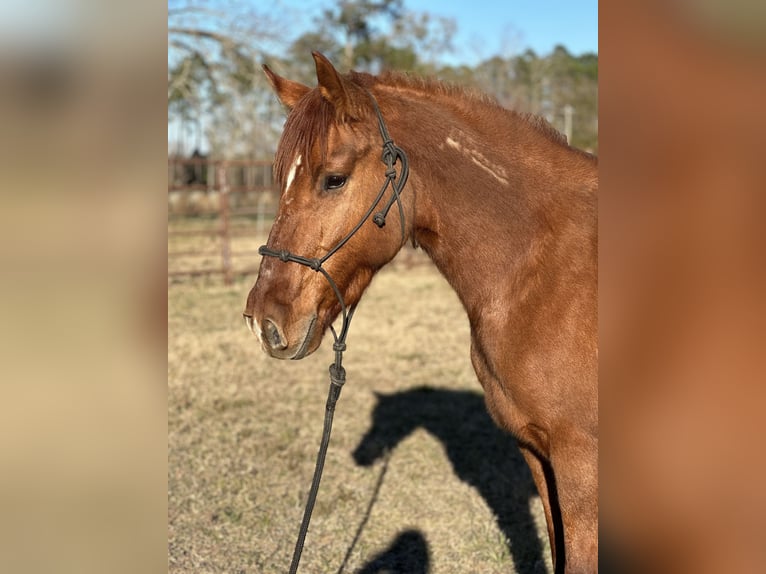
x=452, y=495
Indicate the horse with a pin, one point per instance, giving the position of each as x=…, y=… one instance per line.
x=507, y=212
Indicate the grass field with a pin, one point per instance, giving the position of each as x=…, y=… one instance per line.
x=417, y=479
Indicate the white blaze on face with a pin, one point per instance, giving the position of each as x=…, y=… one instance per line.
x=291, y=173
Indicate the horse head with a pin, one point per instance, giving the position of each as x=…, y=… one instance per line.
x=393, y=420
x=328, y=166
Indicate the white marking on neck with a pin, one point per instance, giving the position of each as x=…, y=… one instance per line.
x=480, y=160
x=291, y=173
x=454, y=144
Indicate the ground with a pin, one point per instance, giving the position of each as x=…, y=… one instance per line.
x=417, y=479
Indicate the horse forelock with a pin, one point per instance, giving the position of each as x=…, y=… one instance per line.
x=306, y=127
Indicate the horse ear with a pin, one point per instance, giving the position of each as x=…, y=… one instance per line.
x=287, y=91
x=334, y=88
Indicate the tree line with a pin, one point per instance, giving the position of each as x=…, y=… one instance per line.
x=215, y=84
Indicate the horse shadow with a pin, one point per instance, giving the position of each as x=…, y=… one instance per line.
x=408, y=554
x=482, y=455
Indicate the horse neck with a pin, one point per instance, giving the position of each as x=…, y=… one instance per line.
x=494, y=193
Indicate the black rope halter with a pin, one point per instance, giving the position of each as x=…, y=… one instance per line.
x=391, y=155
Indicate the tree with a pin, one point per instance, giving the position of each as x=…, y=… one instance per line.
x=426, y=37
x=573, y=81
x=213, y=76
x=355, y=18
x=375, y=36
x=527, y=71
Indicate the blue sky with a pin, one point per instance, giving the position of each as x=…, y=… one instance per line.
x=489, y=27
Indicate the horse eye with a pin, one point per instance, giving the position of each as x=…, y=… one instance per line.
x=334, y=181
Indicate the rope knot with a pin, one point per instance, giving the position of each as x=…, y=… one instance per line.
x=339, y=346
x=284, y=256
x=337, y=375
x=389, y=152
x=379, y=219
x=315, y=264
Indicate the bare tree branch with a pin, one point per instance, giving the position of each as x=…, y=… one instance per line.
x=205, y=34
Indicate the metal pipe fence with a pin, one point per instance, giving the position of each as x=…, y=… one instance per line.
x=218, y=213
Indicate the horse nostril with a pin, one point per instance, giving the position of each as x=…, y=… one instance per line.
x=272, y=336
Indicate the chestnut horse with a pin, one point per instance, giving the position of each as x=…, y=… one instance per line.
x=506, y=210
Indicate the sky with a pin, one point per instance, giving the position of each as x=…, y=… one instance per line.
x=492, y=27
x=489, y=27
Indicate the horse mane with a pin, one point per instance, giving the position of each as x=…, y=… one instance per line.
x=544, y=127
x=470, y=95
x=310, y=120
x=430, y=85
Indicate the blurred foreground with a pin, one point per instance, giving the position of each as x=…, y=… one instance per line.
x=82, y=275
x=683, y=191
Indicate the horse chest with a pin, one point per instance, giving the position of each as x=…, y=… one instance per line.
x=512, y=398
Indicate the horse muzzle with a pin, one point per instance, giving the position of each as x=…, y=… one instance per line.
x=281, y=342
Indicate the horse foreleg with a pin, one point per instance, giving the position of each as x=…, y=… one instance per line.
x=542, y=478
x=575, y=466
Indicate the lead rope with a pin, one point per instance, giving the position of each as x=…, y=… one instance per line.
x=390, y=156
x=337, y=380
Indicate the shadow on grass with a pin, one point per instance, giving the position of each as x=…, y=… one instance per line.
x=407, y=555
x=481, y=454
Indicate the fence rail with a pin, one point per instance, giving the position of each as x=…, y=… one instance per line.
x=218, y=212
